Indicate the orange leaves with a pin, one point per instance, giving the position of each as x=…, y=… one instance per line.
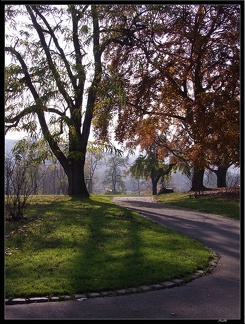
x=183, y=74
x=147, y=128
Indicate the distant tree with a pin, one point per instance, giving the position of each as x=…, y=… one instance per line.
x=95, y=153
x=115, y=172
x=139, y=184
x=233, y=178
x=55, y=180
x=150, y=166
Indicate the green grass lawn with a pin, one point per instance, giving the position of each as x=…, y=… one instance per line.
x=215, y=204
x=69, y=246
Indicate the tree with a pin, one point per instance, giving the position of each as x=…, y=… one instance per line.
x=115, y=171
x=55, y=179
x=183, y=72
x=56, y=64
x=22, y=177
x=94, y=156
x=150, y=166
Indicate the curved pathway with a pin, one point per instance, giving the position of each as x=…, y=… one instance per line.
x=215, y=296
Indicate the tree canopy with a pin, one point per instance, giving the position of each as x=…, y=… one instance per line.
x=181, y=81
x=54, y=67
x=158, y=73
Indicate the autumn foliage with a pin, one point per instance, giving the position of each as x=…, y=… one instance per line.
x=180, y=83
x=162, y=75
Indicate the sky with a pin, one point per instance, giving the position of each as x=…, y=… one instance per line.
x=15, y=135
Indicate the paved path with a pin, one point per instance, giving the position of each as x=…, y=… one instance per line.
x=215, y=296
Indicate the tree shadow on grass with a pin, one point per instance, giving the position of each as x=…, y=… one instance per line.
x=84, y=246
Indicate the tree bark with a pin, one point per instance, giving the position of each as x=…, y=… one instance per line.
x=221, y=176
x=197, y=180
x=154, y=186
x=76, y=180
x=155, y=176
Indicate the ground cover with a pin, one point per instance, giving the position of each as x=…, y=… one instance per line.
x=67, y=246
x=225, y=202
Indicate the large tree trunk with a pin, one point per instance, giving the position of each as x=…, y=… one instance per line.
x=155, y=176
x=154, y=186
x=221, y=176
x=197, y=180
x=76, y=181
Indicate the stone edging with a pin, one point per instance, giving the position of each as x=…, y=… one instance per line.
x=80, y=297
